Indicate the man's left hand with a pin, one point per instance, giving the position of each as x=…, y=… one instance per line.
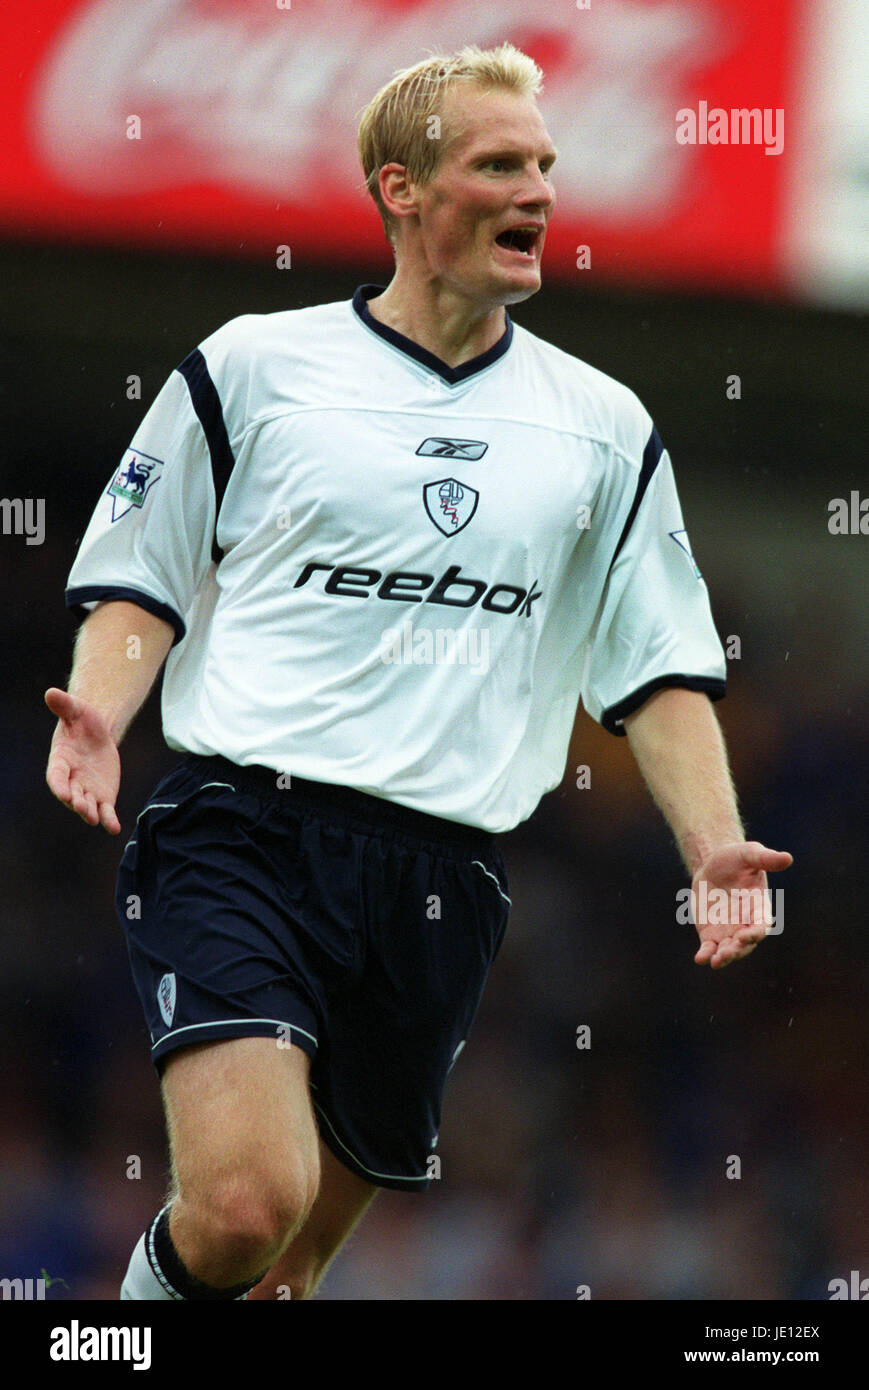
x=728, y=933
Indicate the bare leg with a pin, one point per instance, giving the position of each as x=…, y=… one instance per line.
x=245, y=1155
x=341, y=1202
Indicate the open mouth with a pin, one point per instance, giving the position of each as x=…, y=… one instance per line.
x=522, y=239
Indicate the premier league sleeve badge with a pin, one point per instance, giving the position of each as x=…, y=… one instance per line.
x=135, y=477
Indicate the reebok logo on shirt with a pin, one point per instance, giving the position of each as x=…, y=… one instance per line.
x=407, y=586
x=452, y=448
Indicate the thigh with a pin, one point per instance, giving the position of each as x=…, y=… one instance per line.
x=241, y=1106
x=342, y=1201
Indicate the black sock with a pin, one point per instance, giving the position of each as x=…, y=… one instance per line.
x=169, y=1269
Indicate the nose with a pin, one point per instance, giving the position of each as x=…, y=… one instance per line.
x=536, y=190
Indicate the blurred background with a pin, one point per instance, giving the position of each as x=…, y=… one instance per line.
x=729, y=287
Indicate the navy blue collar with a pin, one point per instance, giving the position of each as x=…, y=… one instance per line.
x=452, y=375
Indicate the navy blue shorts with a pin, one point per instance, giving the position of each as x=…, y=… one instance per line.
x=357, y=929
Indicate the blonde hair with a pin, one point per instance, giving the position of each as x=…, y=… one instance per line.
x=395, y=125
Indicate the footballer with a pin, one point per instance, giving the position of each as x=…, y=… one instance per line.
x=321, y=511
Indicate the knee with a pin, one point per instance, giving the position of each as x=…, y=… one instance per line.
x=252, y=1218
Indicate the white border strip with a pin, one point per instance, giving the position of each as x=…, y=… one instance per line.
x=396, y=1177
x=490, y=875
x=234, y=1022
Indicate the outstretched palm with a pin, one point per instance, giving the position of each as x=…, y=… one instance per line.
x=84, y=768
x=730, y=900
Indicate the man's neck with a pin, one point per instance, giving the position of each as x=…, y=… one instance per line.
x=439, y=320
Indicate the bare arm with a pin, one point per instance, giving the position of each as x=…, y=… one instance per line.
x=677, y=742
x=119, y=650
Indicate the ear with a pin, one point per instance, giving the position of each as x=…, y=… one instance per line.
x=398, y=191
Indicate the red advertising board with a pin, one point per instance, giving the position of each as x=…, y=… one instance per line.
x=230, y=125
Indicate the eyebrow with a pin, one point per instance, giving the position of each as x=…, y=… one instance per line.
x=512, y=152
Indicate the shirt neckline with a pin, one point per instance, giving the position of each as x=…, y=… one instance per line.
x=451, y=375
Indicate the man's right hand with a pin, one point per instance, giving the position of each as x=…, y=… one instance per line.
x=84, y=767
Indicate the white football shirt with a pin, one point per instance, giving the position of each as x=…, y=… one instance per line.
x=393, y=575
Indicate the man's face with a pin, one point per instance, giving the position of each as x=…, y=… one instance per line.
x=483, y=215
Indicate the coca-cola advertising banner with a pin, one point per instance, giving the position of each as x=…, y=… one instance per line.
x=685, y=128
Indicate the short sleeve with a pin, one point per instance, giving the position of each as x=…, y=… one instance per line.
x=654, y=626
x=150, y=537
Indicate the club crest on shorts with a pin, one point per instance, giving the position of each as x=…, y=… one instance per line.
x=450, y=504
x=129, y=487
x=167, y=991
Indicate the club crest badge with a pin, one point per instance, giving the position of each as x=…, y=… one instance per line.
x=167, y=991
x=450, y=504
x=129, y=487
